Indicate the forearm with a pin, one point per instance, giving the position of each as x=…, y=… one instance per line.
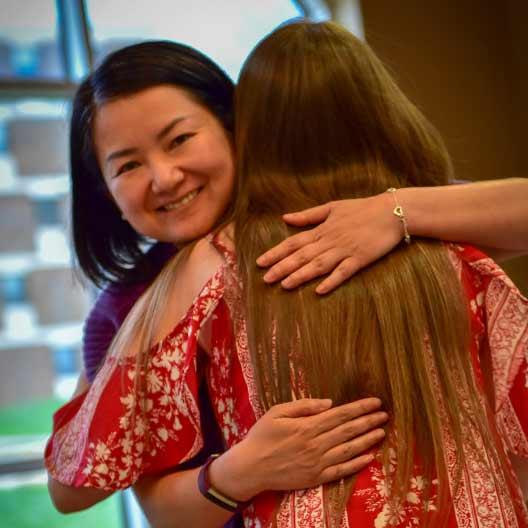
x=295, y=445
x=68, y=499
x=175, y=500
x=490, y=214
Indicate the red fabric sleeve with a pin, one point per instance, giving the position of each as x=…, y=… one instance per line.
x=505, y=318
x=102, y=439
x=105, y=439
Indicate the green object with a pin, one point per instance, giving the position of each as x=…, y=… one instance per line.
x=29, y=417
x=31, y=507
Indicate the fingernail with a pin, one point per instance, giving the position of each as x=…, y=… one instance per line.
x=326, y=403
x=268, y=277
x=261, y=261
x=376, y=402
x=320, y=290
x=286, y=283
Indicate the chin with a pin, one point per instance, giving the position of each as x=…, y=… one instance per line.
x=184, y=236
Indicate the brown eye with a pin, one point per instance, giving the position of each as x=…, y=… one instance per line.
x=179, y=140
x=128, y=166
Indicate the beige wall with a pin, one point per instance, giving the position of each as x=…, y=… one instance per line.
x=465, y=62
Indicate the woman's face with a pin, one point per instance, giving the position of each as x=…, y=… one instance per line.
x=167, y=162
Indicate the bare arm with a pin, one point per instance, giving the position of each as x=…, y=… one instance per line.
x=293, y=446
x=174, y=500
x=354, y=233
x=68, y=499
x=490, y=214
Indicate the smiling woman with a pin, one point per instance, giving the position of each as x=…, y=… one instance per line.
x=299, y=444
x=150, y=141
x=167, y=162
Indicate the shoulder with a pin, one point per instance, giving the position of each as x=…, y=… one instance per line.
x=207, y=255
x=190, y=271
x=202, y=263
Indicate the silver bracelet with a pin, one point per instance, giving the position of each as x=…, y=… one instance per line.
x=398, y=212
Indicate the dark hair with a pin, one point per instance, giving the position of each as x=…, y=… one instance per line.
x=107, y=248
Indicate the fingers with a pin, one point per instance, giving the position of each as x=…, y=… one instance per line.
x=292, y=263
x=350, y=457
x=321, y=264
x=341, y=273
x=300, y=408
x=303, y=263
x=337, y=416
x=314, y=215
x=358, y=428
x=353, y=448
x=286, y=248
x=339, y=471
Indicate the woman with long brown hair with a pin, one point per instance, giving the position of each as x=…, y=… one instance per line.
x=438, y=332
x=341, y=128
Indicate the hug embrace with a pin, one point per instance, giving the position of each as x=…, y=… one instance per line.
x=223, y=396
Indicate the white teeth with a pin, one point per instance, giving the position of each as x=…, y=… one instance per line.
x=181, y=202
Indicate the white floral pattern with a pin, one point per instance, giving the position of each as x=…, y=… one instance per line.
x=117, y=454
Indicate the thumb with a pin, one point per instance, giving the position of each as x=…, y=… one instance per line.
x=300, y=408
x=314, y=215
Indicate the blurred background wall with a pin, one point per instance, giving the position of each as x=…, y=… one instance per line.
x=465, y=63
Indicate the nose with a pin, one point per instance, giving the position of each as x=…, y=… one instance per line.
x=166, y=175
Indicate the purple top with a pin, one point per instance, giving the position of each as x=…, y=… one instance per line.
x=107, y=315
x=110, y=310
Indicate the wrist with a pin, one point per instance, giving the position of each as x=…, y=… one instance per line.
x=399, y=213
x=230, y=475
x=419, y=205
x=391, y=222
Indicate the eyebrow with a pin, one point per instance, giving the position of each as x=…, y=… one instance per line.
x=166, y=130
x=159, y=136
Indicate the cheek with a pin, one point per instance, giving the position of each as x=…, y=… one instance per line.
x=126, y=196
x=219, y=164
x=121, y=201
x=225, y=176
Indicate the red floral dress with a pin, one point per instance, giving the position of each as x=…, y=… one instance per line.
x=95, y=444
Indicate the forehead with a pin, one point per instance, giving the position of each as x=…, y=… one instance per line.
x=144, y=114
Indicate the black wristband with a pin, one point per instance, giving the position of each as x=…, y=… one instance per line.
x=213, y=495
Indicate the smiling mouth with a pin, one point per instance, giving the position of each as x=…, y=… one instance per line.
x=189, y=197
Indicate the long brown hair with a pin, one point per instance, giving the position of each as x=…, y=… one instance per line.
x=318, y=118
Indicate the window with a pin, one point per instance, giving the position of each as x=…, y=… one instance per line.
x=226, y=31
x=29, y=44
x=45, y=48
